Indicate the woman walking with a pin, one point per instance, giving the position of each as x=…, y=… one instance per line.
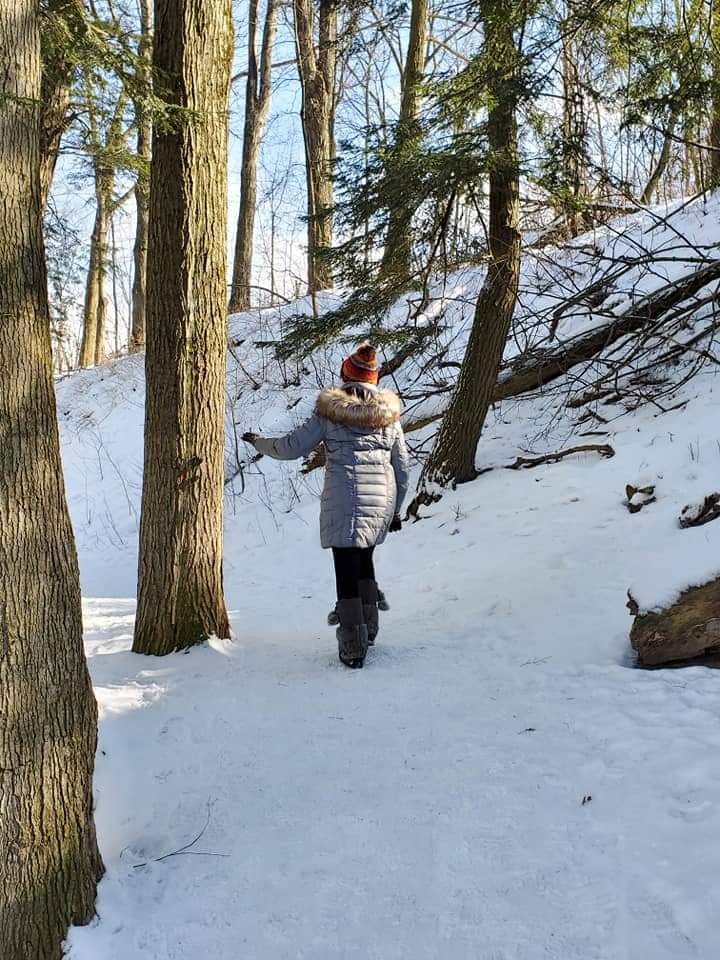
x=366, y=479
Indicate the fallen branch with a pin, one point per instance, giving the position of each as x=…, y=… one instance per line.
x=526, y=463
x=549, y=365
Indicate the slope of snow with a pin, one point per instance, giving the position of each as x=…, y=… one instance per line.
x=430, y=805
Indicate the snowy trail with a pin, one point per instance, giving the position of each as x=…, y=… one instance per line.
x=430, y=805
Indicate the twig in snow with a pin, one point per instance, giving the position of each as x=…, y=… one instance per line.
x=186, y=850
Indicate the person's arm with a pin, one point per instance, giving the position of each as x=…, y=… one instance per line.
x=298, y=443
x=401, y=465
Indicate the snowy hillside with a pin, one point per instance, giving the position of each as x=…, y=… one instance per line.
x=498, y=783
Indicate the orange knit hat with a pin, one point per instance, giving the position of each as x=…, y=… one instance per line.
x=361, y=366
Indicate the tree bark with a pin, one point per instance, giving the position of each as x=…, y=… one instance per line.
x=398, y=243
x=49, y=860
x=64, y=26
x=94, y=309
x=452, y=459
x=144, y=135
x=316, y=70
x=257, y=104
x=180, y=591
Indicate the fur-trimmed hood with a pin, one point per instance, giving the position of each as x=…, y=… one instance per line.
x=373, y=409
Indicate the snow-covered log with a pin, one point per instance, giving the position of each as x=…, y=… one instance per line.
x=687, y=629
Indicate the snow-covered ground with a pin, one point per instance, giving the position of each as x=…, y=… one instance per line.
x=498, y=783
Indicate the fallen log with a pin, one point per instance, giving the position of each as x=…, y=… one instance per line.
x=526, y=463
x=686, y=630
x=545, y=366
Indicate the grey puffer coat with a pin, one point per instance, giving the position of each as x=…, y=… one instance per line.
x=366, y=475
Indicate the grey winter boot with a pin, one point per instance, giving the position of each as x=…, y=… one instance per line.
x=352, y=634
x=369, y=594
x=332, y=617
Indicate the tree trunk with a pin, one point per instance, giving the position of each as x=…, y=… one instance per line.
x=317, y=80
x=101, y=321
x=661, y=166
x=715, y=104
x=575, y=131
x=452, y=459
x=398, y=243
x=144, y=134
x=94, y=309
x=257, y=105
x=140, y=249
x=64, y=26
x=180, y=591
x=49, y=860
x=115, y=298
x=104, y=149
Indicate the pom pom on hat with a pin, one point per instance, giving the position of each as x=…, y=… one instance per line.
x=361, y=366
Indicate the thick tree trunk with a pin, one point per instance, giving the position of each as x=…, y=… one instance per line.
x=398, y=244
x=64, y=26
x=453, y=456
x=180, y=591
x=144, y=135
x=94, y=309
x=49, y=860
x=317, y=80
x=257, y=105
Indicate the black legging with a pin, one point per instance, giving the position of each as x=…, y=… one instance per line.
x=351, y=565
